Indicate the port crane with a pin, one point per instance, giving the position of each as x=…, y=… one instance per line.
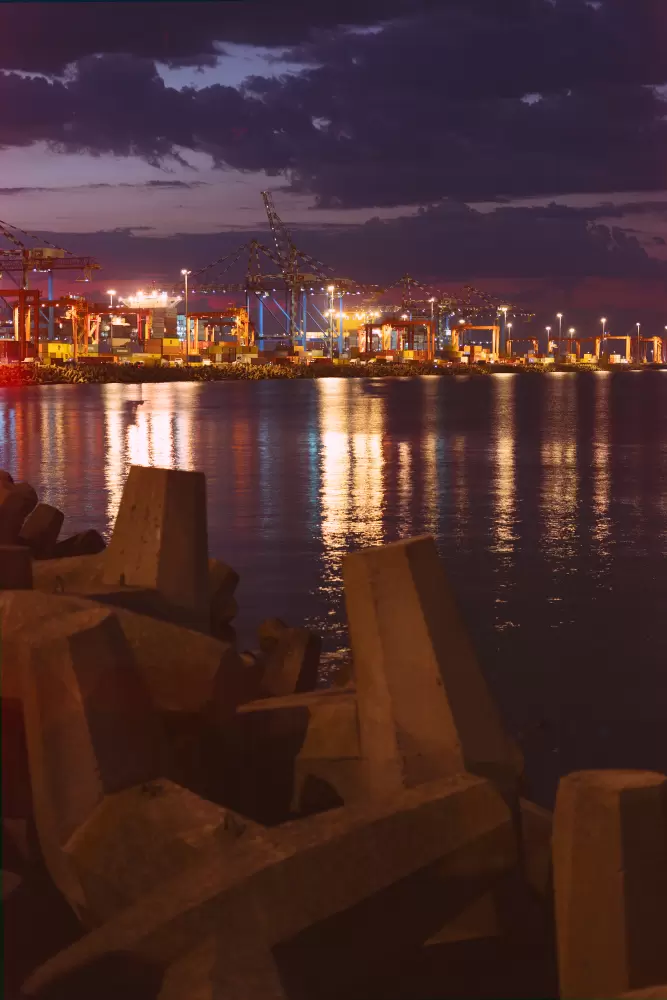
x=291, y=264
x=18, y=261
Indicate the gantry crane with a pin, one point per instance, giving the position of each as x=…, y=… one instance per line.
x=18, y=261
x=291, y=264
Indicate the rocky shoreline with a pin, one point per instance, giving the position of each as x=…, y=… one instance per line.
x=15, y=375
x=183, y=819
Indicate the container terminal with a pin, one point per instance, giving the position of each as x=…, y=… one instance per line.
x=285, y=306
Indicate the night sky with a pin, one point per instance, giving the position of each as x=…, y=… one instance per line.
x=522, y=143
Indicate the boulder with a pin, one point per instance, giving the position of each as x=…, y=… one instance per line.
x=610, y=882
x=424, y=707
x=15, y=568
x=160, y=540
x=85, y=543
x=236, y=906
x=16, y=503
x=90, y=730
x=291, y=658
x=41, y=529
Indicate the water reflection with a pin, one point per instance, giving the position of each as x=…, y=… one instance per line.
x=601, y=469
x=504, y=513
x=559, y=469
x=547, y=496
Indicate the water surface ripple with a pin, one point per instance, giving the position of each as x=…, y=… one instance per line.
x=547, y=495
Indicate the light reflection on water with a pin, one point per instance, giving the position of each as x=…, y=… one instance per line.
x=548, y=497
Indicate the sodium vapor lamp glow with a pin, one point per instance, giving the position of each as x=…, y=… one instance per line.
x=186, y=273
x=111, y=292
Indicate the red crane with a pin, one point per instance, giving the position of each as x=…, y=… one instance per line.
x=19, y=259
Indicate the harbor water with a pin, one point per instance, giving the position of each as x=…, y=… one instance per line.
x=547, y=495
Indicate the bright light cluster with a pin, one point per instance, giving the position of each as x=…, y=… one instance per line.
x=150, y=299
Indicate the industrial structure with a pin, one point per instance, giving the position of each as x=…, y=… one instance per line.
x=292, y=306
x=18, y=261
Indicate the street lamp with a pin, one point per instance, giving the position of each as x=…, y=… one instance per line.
x=331, y=289
x=185, y=274
x=111, y=292
x=432, y=301
x=548, y=329
x=559, y=317
x=639, y=344
x=604, y=326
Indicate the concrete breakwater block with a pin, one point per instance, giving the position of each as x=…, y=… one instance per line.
x=651, y=993
x=223, y=581
x=69, y=574
x=610, y=882
x=41, y=529
x=424, y=707
x=137, y=838
x=236, y=906
x=90, y=730
x=328, y=770
x=16, y=502
x=160, y=538
x=182, y=670
x=84, y=543
x=15, y=568
x=291, y=658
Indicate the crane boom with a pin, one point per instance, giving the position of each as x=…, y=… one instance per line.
x=281, y=234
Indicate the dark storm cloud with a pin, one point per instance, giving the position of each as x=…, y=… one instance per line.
x=46, y=37
x=431, y=106
x=442, y=244
x=146, y=185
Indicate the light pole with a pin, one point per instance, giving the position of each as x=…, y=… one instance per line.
x=548, y=329
x=559, y=317
x=111, y=292
x=332, y=312
x=185, y=274
x=604, y=326
x=639, y=344
x=432, y=301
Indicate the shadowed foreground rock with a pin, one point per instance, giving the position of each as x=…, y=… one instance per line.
x=610, y=874
x=424, y=708
x=160, y=540
x=281, y=882
x=90, y=731
x=15, y=568
x=222, y=830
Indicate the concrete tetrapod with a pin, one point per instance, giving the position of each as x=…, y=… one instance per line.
x=41, y=529
x=15, y=568
x=220, y=919
x=90, y=730
x=183, y=670
x=160, y=538
x=292, y=658
x=610, y=882
x=424, y=707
